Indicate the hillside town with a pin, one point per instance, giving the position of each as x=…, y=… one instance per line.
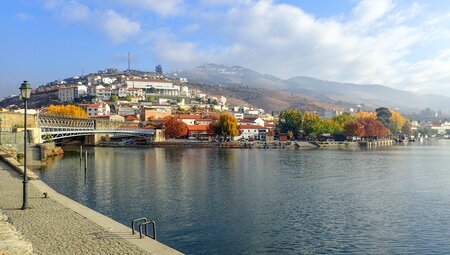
x=148, y=99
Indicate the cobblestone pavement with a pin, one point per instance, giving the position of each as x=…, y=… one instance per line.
x=11, y=241
x=51, y=227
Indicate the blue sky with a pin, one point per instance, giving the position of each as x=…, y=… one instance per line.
x=404, y=44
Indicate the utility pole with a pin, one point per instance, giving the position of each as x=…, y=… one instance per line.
x=129, y=61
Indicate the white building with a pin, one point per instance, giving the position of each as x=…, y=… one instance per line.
x=66, y=94
x=238, y=115
x=162, y=87
x=103, y=93
x=123, y=91
x=222, y=100
x=441, y=128
x=97, y=109
x=80, y=91
x=135, y=92
x=252, y=131
x=92, y=90
x=128, y=110
x=184, y=91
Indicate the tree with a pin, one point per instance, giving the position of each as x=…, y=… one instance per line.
x=114, y=98
x=374, y=128
x=406, y=129
x=362, y=115
x=310, y=122
x=366, y=127
x=226, y=125
x=290, y=120
x=151, y=99
x=354, y=128
x=174, y=128
x=384, y=116
x=128, y=98
x=67, y=110
x=397, y=122
x=343, y=119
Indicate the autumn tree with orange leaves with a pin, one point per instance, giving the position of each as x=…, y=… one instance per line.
x=67, y=110
x=174, y=128
x=366, y=127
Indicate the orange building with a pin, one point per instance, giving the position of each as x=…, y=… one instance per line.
x=155, y=112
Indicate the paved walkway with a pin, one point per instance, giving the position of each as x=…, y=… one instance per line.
x=53, y=228
x=11, y=241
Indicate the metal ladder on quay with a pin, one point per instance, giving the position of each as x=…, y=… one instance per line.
x=144, y=226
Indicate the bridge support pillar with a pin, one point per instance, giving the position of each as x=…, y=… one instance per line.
x=95, y=139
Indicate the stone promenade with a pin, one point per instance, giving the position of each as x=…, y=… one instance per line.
x=55, y=228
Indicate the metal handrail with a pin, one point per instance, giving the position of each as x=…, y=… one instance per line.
x=146, y=229
x=134, y=221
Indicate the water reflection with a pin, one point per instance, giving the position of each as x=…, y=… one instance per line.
x=383, y=200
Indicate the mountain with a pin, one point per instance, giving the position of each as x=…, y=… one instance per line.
x=373, y=95
x=234, y=75
x=316, y=91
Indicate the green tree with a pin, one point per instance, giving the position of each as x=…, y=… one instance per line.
x=114, y=98
x=310, y=122
x=151, y=99
x=290, y=120
x=384, y=116
x=128, y=98
x=227, y=125
x=343, y=119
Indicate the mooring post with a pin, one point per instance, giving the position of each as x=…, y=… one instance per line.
x=85, y=163
x=81, y=155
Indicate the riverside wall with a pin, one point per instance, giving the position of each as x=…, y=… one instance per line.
x=59, y=225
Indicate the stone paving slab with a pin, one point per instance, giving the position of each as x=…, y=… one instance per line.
x=54, y=228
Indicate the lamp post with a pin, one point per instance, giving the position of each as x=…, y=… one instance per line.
x=25, y=94
x=1, y=131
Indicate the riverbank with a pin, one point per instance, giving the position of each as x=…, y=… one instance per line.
x=256, y=144
x=59, y=225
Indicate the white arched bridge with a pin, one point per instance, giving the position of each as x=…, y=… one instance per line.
x=58, y=127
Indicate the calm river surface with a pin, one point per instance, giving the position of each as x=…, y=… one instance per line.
x=247, y=201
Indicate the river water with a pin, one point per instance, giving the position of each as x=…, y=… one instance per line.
x=246, y=201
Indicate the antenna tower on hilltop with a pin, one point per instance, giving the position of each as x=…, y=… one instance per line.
x=129, y=61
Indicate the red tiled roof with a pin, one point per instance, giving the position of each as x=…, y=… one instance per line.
x=197, y=127
x=246, y=120
x=250, y=127
x=189, y=116
x=130, y=118
x=149, y=80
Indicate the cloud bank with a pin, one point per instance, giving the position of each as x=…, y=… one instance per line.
x=398, y=43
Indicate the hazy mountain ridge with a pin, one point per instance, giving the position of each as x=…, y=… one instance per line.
x=312, y=89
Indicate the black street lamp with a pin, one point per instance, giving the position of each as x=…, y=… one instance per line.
x=25, y=94
x=1, y=131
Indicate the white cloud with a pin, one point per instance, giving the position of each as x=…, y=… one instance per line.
x=368, y=11
x=118, y=28
x=70, y=10
x=161, y=7
x=371, y=45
